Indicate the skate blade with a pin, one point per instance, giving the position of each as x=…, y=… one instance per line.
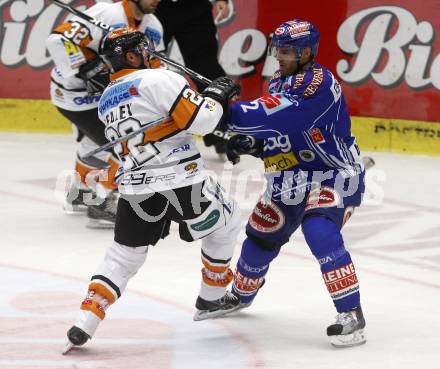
x=203, y=315
x=100, y=224
x=69, y=345
x=74, y=209
x=349, y=340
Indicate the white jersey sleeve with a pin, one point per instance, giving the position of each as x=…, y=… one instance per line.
x=173, y=96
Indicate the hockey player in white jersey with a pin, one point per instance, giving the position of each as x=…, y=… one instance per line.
x=77, y=82
x=163, y=178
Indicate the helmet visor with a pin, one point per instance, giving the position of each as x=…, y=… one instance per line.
x=148, y=44
x=144, y=47
x=285, y=53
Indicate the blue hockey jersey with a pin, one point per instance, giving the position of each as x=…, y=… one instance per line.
x=305, y=124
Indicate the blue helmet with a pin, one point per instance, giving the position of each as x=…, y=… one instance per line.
x=296, y=34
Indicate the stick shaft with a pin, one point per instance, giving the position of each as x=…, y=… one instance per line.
x=124, y=138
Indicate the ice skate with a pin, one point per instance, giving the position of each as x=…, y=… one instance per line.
x=74, y=201
x=213, y=309
x=75, y=337
x=348, y=330
x=103, y=216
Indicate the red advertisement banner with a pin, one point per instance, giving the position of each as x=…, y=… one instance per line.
x=385, y=53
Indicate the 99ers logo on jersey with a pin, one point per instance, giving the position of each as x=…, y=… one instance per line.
x=266, y=217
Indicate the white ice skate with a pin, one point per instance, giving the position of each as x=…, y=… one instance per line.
x=82, y=331
x=75, y=337
x=348, y=330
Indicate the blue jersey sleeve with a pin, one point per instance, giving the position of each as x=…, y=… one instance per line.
x=289, y=111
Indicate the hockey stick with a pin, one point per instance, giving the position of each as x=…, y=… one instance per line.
x=124, y=138
x=3, y=2
x=107, y=28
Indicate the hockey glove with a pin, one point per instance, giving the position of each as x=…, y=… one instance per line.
x=216, y=136
x=222, y=89
x=243, y=145
x=96, y=76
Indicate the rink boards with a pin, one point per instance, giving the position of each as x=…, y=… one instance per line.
x=373, y=134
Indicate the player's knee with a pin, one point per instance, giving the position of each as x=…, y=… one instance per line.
x=324, y=239
x=264, y=244
x=221, y=243
x=254, y=254
x=221, y=221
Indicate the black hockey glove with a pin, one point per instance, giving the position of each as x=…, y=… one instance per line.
x=222, y=89
x=243, y=145
x=215, y=137
x=95, y=75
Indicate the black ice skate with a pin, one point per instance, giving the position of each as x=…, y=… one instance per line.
x=75, y=337
x=103, y=215
x=74, y=201
x=348, y=329
x=213, y=309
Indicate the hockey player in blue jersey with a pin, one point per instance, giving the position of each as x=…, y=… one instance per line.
x=301, y=131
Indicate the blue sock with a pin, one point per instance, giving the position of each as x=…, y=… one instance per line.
x=325, y=241
x=251, y=268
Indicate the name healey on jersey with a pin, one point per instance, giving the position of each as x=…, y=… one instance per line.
x=123, y=112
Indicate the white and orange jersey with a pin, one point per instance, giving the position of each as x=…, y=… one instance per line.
x=76, y=41
x=165, y=156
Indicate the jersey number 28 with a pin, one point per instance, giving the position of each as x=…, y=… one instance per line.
x=135, y=151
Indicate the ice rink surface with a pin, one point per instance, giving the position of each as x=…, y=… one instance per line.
x=47, y=257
